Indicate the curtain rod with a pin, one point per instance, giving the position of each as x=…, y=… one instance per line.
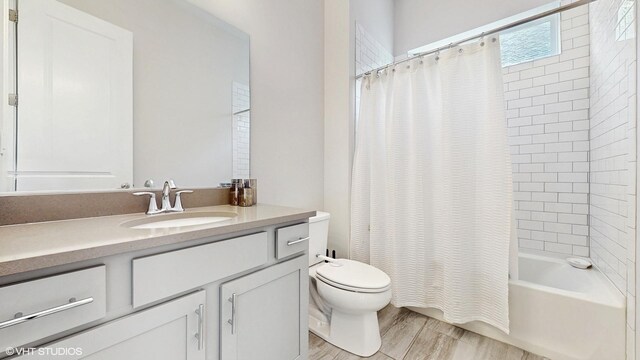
x=485, y=33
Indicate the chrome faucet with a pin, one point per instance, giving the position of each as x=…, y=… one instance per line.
x=166, y=200
x=166, y=191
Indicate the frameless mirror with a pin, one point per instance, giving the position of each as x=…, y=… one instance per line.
x=113, y=93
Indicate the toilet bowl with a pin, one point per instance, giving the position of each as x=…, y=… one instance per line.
x=345, y=296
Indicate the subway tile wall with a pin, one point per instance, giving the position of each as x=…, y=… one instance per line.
x=370, y=54
x=241, y=130
x=547, y=107
x=613, y=148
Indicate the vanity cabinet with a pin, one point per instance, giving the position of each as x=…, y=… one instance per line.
x=264, y=314
x=231, y=296
x=170, y=331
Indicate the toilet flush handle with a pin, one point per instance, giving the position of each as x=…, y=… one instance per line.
x=332, y=261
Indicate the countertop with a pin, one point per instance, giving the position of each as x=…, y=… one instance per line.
x=33, y=246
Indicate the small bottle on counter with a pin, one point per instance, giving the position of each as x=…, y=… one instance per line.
x=234, y=194
x=245, y=196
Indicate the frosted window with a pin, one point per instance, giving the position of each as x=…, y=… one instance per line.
x=530, y=41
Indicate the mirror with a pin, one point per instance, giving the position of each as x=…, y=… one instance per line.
x=112, y=93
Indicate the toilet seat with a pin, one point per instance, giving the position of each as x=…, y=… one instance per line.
x=353, y=276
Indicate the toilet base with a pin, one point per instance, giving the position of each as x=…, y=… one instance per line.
x=358, y=334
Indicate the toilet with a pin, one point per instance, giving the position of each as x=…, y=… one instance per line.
x=344, y=296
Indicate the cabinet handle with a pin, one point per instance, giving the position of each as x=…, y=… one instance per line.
x=73, y=303
x=232, y=321
x=200, y=334
x=293, y=242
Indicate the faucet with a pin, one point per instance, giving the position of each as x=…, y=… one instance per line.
x=166, y=200
x=166, y=191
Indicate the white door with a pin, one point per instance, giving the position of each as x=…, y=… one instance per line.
x=167, y=331
x=75, y=100
x=264, y=315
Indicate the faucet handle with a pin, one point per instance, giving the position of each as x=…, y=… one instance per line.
x=172, y=184
x=153, y=207
x=177, y=206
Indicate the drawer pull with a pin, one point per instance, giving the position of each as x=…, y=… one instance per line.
x=293, y=242
x=24, y=318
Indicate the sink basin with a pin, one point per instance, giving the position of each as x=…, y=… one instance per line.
x=176, y=220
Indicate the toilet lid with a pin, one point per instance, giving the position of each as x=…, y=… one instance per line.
x=353, y=275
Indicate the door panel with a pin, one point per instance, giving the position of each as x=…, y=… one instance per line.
x=163, y=343
x=75, y=112
x=164, y=332
x=270, y=314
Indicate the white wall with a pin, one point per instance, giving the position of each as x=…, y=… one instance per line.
x=337, y=127
x=548, y=122
x=287, y=76
x=613, y=149
x=340, y=24
x=376, y=17
x=421, y=22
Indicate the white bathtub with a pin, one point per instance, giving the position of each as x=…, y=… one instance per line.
x=560, y=312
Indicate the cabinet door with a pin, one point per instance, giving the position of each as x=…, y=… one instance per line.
x=264, y=314
x=169, y=331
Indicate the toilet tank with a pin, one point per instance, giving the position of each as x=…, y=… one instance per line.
x=318, y=233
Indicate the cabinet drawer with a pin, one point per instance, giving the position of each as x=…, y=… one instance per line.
x=48, y=305
x=292, y=240
x=157, y=277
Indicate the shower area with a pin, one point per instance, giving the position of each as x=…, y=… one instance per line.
x=569, y=81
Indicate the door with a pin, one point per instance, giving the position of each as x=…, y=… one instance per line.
x=75, y=100
x=170, y=331
x=264, y=314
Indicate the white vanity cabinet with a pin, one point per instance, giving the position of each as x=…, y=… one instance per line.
x=263, y=313
x=170, y=331
x=172, y=301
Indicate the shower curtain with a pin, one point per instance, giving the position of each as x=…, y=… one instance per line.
x=431, y=188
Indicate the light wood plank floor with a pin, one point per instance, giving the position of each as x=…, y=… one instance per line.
x=407, y=335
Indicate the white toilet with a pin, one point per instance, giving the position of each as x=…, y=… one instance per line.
x=345, y=296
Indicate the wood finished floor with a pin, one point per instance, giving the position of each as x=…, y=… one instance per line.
x=407, y=335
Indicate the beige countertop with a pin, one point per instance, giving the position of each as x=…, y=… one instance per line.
x=35, y=246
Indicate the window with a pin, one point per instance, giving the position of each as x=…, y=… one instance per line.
x=527, y=42
x=625, y=28
x=531, y=41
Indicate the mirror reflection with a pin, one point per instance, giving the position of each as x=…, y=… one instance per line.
x=114, y=93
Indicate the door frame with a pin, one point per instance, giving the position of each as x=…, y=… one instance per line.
x=7, y=85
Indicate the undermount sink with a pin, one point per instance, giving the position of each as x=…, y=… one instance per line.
x=175, y=220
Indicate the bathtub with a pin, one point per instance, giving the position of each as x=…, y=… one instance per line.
x=559, y=312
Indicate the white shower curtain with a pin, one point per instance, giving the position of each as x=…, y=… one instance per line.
x=431, y=188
